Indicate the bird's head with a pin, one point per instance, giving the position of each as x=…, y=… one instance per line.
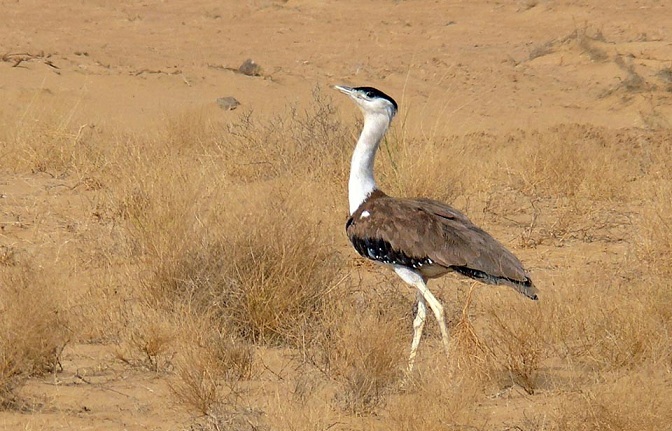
x=370, y=100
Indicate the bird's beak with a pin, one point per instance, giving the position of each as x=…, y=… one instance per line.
x=345, y=90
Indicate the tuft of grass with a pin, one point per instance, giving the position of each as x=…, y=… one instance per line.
x=41, y=141
x=441, y=400
x=589, y=46
x=582, y=38
x=362, y=346
x=267, y=276
x=614, y=325
x=149, y=339
x=367, y=361
x=541, y=49
x=517, y=344
x=7, y=255
x=309, y=143
x=654, y=246
x=208, y=377
x=257, y=259
x=33, y=328
x=633, y=402
x=468, y=352
x=499, y=347
x=632, y=82
x=665, y=75
x=551, y=165
x=405, y=164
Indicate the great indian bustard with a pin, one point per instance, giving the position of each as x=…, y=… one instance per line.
x=418, y=238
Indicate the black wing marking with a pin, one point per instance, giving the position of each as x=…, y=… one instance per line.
x=382, y=251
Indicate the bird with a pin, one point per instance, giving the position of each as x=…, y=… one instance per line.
x=419, y=238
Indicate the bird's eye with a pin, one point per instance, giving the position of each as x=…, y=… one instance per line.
x=369, y=94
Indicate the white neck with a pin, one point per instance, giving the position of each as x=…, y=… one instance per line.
x=362, y=183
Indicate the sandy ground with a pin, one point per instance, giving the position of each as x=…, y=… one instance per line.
x=455, y=67
x=458, y=66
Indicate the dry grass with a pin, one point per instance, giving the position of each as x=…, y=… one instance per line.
x=225, y=242
x=43, y=139
x=654, y=249
x=518, y=345
x=33, y=328
x=308, y=143
x=404, y=173
x=364, y=351
x=440, y=400
x=267, y=276
x=209, y=374
x=638, y=401
x=550, y=165
x=588, y=41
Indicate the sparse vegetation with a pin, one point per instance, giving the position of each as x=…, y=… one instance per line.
x=33, y=329
x=238, y=256
x=587, y=40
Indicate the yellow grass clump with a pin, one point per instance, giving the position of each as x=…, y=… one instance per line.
x=33, y=328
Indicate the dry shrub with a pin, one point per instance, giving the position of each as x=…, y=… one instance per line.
x=103, y=313
x=239, y=417
x=149, y=338
x=442, y=392
x=33, y=328
x=200, y=385
x=553, y=184
x=654, y=245
x=207, y=360
x=310, y=143
x=193, y=133
x=652, y=263
x=569, y=161
x=616, y=339
x=211, y=367
x=46, y=139
x=442, y=401
x=469, y=356
x=517, y=343
x=268, y=275
x=209, y=370
x=368, y=362
x=588, y=41
x=421, y=167
x=263, y=266
x=257, y=261
x=363, y=346
x=221, y=262
x=500, y=346
x=599, y=320
x=642, y=401
x=590, y=44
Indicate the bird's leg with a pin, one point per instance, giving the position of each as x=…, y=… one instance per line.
x=416, y=279
x=437, y=308
x=418, y=325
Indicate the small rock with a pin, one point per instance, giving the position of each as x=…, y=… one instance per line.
x=250, y=68
x=228, y=103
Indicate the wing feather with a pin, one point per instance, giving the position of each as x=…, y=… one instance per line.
x=423, y=230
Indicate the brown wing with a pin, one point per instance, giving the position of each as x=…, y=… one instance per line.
x=433, y=238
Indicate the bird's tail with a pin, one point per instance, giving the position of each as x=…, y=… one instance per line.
x=526, y=287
